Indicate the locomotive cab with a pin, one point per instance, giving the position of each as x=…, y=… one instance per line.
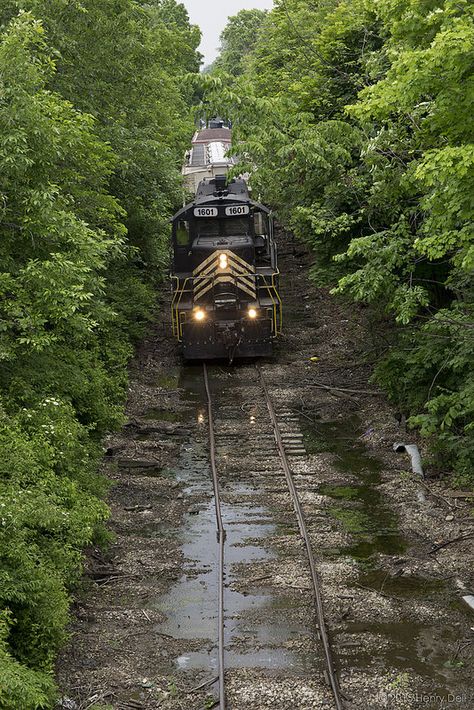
x=225, y=288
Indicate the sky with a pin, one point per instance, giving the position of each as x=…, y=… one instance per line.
x=211, y=16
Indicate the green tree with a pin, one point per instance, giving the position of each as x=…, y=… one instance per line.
x=54, y=172
x=93, y=123
x=238, y=39
x=354, y=119
x=120, y=62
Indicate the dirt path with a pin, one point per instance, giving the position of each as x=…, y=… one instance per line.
x=143, y=631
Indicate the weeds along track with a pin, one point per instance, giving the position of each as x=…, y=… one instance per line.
x=251, y=446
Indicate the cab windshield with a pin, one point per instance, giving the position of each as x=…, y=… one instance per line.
x=230, y=227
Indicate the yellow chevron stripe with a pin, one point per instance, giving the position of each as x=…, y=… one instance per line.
x=242, y=286
x=238, y=258
x=249, y=291
x=203, y=291
x=212, y=257
x=212, y=267
x=225, y=279
x=246, y=279
x=203, y=267
x=231, y=268
x=238, y=271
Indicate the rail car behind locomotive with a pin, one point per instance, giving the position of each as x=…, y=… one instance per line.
x=208, y=156
x=225, y=276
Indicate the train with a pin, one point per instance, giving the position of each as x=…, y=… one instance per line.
x=225, y=278
x=208, y=155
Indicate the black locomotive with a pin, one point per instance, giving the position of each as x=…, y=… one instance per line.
x=225, y=276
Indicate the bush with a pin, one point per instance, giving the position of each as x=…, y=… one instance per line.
x=89, y=172
x=355, y=118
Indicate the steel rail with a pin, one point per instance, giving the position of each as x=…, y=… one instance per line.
x=221, y=534
x=332, y=677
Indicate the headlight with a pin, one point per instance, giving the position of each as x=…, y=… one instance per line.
x=199, y=315
x=223, y=261
x=252, y=312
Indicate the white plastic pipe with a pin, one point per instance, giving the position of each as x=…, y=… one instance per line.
x=414, y=453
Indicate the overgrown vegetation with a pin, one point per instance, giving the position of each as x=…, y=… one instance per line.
x=356, y=120
x=93, y=124
x=238, y=40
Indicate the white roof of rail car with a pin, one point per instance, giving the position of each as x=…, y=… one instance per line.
x=217, y=153
x=213, y=153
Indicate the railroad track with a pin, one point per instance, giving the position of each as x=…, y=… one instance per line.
x=221, y=541
x=286, y=444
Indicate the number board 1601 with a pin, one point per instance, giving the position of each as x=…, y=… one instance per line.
x=237, y=210
x=206, y=212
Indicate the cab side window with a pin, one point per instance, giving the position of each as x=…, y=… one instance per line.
x=182, y=234
x=260, y=224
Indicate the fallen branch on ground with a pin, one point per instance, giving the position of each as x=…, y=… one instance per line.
x=211, y=681
x=460, y=538
x=345, y=389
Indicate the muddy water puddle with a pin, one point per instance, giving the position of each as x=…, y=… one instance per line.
x=401, y=586
x=169, y=380
x=159, y=414
x=360, y=508
x=262, y=628
x=419, y=647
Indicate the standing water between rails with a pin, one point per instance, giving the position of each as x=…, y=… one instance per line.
x=263, y=627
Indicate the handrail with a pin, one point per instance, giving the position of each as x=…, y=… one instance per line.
x=276, y=300
x=178, y=295
x=175, y=293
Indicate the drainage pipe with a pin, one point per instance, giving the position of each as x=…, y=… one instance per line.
x=414, y=453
